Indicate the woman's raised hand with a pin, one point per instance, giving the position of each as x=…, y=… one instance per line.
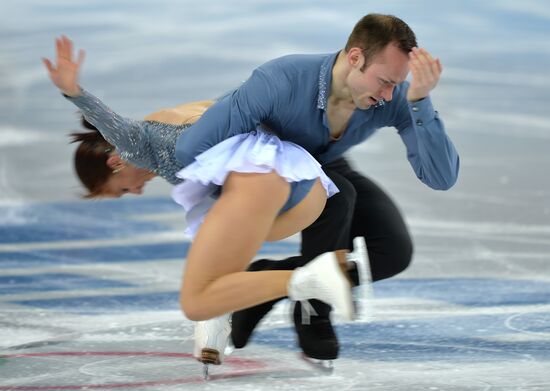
x=64, y=73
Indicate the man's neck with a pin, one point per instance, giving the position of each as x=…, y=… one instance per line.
x=340, y=106
x=339, y=92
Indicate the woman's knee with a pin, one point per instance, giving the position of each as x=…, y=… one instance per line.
x=192, y=308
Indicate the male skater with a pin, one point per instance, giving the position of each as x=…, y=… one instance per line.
x=328, y=103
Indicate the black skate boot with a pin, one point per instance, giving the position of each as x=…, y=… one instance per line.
x=245, y=321
x=316, y=335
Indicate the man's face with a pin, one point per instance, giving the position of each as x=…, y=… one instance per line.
x=387, y=69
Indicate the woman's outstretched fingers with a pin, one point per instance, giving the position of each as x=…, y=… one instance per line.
x=49, y=65
x=81, y=57
x=64, y=73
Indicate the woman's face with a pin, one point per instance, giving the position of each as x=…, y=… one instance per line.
x=129, y=180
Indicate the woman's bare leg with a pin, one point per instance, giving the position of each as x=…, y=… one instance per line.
x=235, y=228
x=300, y=216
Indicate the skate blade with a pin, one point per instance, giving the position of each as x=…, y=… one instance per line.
x=344, y=305
x=205, y=373
x=208, y=357
x=363, y=293
x=325, y=367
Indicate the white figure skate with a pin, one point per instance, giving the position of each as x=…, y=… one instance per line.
x=323, y=279
x=211, y=337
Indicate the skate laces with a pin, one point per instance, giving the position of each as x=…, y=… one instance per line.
x=307, y=311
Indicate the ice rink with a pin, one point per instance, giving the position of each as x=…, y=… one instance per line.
x=89, y=289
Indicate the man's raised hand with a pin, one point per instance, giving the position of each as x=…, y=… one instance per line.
x=425, y=72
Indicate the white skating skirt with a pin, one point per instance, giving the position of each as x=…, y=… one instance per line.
x=255, y=152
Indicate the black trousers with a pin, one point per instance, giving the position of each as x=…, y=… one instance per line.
x=361, y=208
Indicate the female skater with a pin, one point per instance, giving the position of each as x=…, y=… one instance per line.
x=245, y=190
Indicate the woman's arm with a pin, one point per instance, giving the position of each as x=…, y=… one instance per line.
x=131, y=138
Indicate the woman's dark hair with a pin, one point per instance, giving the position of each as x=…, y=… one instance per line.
x=375, y=31
x=90, y=159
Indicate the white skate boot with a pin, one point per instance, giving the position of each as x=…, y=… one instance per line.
x=362, y=293
x=211, y=337
x=323, y=279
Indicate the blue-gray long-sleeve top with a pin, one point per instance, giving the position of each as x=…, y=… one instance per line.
x=289, y=96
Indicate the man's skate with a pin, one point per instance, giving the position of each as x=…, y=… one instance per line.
x=316, y=336
x=211, y=338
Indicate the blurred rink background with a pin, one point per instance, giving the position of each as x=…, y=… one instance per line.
x=88, y=289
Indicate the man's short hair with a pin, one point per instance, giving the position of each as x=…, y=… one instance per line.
x=375, y=31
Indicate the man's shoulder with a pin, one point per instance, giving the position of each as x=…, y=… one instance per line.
x=294, y=63
x=301, y=58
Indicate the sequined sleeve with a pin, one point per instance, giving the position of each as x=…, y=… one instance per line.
x=130, y=137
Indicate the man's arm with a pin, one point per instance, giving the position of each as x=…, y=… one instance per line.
x=240, y=112
x=430, y=151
